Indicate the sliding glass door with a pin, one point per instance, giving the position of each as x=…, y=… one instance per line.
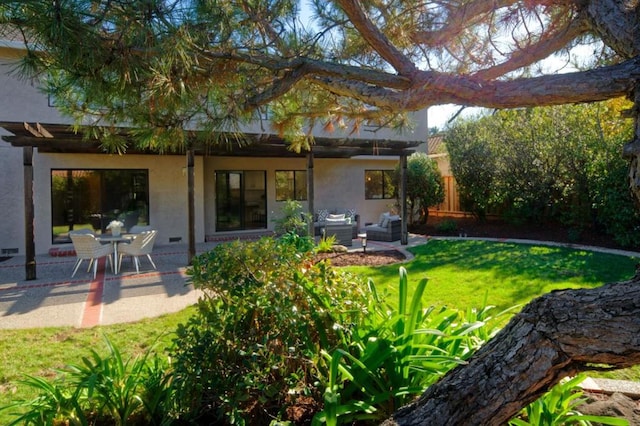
x=241, y=200
x=92, y=198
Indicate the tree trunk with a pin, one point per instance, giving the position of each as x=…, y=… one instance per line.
x=631, y=150
x=556, y=335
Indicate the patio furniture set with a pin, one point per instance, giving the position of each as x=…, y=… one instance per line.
x=138, y=242
x=346, y=227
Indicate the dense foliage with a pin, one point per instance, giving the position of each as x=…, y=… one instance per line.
x=278, y=339
x=425, y=186
x=253, y=349
x=101, y=390
x=560, y=164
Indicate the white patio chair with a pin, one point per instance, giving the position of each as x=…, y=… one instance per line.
x=85, y=231
x=88, y=247
x=136, y=229
x=140, y=245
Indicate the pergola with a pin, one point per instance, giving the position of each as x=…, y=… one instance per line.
x=60, y=138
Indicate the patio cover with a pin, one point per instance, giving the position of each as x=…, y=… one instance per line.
x=59, y=138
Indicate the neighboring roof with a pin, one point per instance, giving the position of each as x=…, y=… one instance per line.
x=62, y=139
x=436, y=146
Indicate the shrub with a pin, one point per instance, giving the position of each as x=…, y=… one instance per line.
x=301, y=244
x=102, y=390
x=559, y=407
x=395, y=354
x=252, y=349
x=447, y=226
x=293, y=219
x=325, y=245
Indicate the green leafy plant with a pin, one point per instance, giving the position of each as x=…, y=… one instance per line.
x=253, y=347
x=425, y=186
x=447, y=226
x=55, y=404
x=293, y=219
x=326, y=243
x=302, y=243
x=559, y=407
x=395, y=354
x=101, y=389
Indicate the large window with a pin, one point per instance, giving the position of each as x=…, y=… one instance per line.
x=291, y=185
x=378, y=184
x=93, y=198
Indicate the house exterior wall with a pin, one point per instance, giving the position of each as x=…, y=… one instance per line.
x=20, y=100
x=338, y=184
x=167, y=195
x=12, y=226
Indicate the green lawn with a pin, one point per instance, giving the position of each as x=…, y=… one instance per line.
x=461, y=274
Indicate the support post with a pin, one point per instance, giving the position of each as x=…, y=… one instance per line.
x=404, y=238
x=191, y=206
x=310, y=194
x=29, y=214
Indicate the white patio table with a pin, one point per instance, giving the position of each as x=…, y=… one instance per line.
x=115, y=240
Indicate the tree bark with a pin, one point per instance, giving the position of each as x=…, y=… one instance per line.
x=556, y=335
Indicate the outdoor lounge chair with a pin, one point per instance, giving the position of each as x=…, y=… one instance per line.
x=388, y=228
x=88, y=247
x=141, y=245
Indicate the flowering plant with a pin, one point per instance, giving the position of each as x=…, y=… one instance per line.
x=115, y=224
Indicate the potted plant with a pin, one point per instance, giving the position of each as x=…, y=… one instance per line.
x=115, y=226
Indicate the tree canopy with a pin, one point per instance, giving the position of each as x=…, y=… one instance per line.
x=169, y=65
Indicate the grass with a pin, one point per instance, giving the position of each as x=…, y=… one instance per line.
x=461, y=274
x=41, y=352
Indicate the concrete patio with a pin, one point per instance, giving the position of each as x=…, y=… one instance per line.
x=55, y=299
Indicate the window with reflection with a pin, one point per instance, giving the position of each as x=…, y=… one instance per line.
x=291, y=185
x=379, y=184
x=91, y=199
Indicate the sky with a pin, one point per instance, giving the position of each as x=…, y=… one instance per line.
x=438, y=116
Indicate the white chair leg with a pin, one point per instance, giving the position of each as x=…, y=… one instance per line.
x=76, y=266
x=137, y=262
x=95, y=268
x=90, y=263
x=154, y=265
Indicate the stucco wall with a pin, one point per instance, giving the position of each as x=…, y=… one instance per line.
x=167, y=193
x=21, y=100
x=11, y=199
x=339, y=184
